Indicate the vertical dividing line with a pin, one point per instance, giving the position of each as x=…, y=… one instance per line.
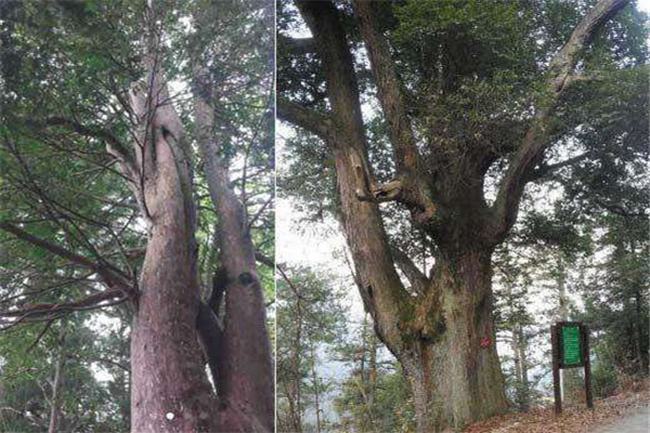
x=275, y=195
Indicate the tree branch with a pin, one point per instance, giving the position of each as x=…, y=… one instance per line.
x=317, y=123
x=379, y=283
x=299, y=46
x=545, y=170
x=115, y=148
x=113, y=145
x=536, y=140
x=104, y=270
x=265, y=260
x=40, y=312
x=416, y=277
x=388, y=86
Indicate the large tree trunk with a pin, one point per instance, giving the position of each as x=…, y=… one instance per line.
x=170, y=391
x=245, y=378
x=453, y=367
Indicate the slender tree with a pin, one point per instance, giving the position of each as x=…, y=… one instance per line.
x=310, y=318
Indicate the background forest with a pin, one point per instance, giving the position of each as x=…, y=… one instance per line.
x=579, y=250
x=66, y=71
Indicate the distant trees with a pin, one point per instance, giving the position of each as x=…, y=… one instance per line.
x=374, y=396
x=49, y=379
x=311, y=318
x=617, y=302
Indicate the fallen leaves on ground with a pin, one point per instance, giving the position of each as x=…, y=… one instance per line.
x=574, y=419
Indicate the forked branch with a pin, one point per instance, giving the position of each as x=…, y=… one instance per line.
x=536, y=140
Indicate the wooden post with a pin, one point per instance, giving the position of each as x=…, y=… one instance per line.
x=555, y=345
x=585, y=345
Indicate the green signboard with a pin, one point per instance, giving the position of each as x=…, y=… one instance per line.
x=571, y=344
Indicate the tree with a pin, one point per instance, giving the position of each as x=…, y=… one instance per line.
x=310, y=317
x=616, y=298
x=374, y=396
x=99, y=178
x=512, y=282
x=477, y=101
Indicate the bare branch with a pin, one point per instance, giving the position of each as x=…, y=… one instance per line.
x=311, y=120
x=299, y=46
x=416, y=277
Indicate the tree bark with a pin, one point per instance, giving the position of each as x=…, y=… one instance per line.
x=245, y=379
x=170, y=391
x=452, y=366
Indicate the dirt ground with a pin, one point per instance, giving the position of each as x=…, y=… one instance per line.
x=607, y=413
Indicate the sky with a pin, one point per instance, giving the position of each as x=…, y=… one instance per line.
x=644, y=5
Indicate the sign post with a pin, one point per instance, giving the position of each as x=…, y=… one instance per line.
x=570, y=344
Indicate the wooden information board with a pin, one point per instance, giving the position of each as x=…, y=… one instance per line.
x=570, y=344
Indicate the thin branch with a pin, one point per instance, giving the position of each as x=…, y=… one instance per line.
x=47, y=312
x=260, y=212
x=114, y=145
x=103, y=269
x=299, y=46
x=545, y=170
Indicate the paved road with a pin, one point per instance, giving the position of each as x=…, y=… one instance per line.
x=637, y=422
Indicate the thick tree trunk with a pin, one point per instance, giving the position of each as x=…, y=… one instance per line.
x=170, y=391
x=453, y=367
x=245, y=379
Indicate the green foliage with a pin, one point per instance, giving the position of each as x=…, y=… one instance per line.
x=375, y=395
x=311, y=317
x=77, y=60
x=26, y=377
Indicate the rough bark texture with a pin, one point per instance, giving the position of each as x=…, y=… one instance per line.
x=441, y=331
x=245, y=378
x=170, y=391
x=453, y=367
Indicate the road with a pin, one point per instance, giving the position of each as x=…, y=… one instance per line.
x=636, y=422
